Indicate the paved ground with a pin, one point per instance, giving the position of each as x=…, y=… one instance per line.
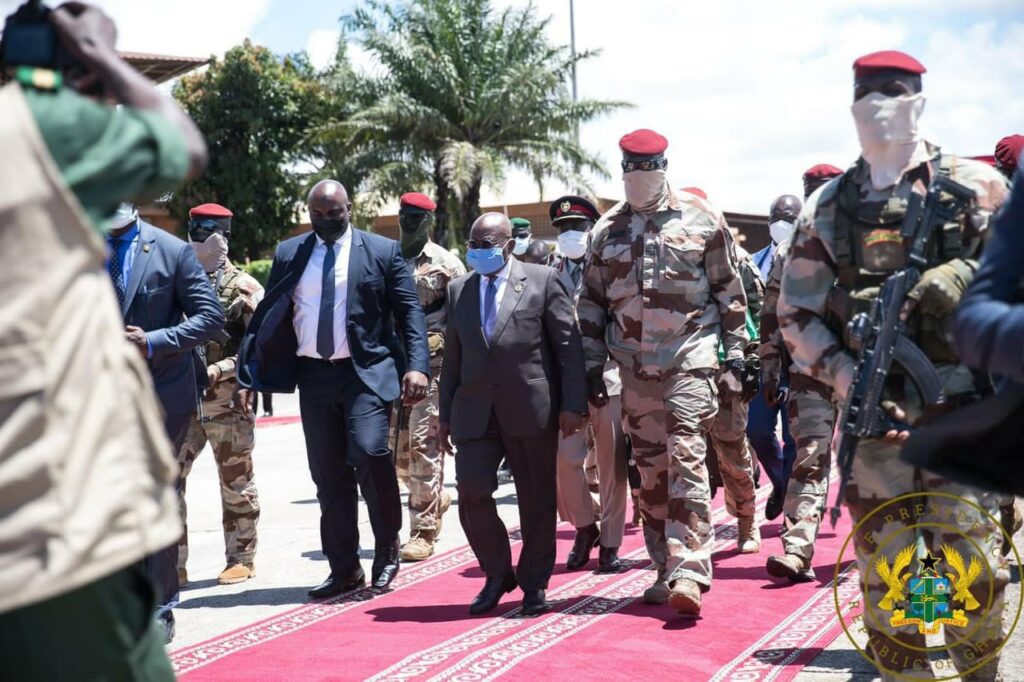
x=289, y=560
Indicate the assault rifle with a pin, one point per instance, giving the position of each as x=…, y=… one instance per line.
x=878, y=336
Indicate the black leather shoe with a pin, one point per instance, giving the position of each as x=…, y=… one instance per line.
x=165, y=624
x=332, y=587
x=385, y=564
x=535, y=603
x=608, y=560
x=489, y=597
x=773, y=507
x=586, y=539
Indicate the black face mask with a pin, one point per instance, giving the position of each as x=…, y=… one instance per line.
x=329, y=229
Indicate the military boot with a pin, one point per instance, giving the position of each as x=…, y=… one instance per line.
x=789, y=566
x=443, y=506
x=748, y=537
x=658, y=592
x=685, y=597
x=236, y=573
x=419, y=547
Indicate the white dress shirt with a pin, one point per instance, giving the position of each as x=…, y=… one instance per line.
x=307, y=298
x=500, y=282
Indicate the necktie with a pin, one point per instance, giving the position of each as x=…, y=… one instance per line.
x=325, y=326
x=116, y=269
x=490, y=309
x=574, y=273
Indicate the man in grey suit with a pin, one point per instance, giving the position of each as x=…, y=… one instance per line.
x=169, y=309
x=512, y=379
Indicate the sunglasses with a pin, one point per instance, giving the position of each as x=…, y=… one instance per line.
x=660, y=163
x=200, y=229
x=484, y=243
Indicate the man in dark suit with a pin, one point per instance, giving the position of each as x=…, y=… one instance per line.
x=512, y=378
x=169, y=309
x=328, y=326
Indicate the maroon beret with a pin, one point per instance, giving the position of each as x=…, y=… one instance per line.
x=696, y=190
x=1008, y=152
x=886, y=59
x=210, y=211
x=822, y=171
x=643, y=142
x=417, y=200
x=572, y=206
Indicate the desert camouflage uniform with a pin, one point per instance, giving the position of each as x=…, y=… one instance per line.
x=659, y=294
x=418, y=459
x=812, y=418
x=729, y=431
x=229, y=433
x=820, y=257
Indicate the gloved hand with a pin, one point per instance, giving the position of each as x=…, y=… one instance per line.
x=750, y=378
x=940, y=289
x=597, y=392
x=730, y=379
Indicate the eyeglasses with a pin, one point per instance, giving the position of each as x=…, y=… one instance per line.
x=660, y=163
x=485, y=243
x=200, y=229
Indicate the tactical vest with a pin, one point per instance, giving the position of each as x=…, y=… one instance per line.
x=226, y=344
x=868, y=248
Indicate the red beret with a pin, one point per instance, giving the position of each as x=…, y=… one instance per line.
x=643, y=142
x=822, y=171
x=210, y=211
x=886, y=59
x=1008, y=152
x=696, y=190
x=417, y=200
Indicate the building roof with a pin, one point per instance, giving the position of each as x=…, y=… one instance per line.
x=160, y=68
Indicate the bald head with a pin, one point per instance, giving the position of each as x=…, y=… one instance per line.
x=493, y=227
x=329, y=209
x=787, y=207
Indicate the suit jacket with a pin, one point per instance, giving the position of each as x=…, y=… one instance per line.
x=170, y=297
x=533, y=367
x=380, y=293
x=612, y=379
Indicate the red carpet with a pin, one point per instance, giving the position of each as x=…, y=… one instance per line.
x=752, y=628
x=278, y=421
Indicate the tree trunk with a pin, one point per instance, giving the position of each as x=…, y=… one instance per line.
x=442, y=194
x=469, y=207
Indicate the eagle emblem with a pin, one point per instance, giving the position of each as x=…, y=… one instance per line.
x=926, y=599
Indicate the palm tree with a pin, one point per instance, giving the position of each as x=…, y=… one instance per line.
x=464, y=93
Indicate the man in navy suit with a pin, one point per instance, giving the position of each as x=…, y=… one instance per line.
x=341, y=320
x=169, y=309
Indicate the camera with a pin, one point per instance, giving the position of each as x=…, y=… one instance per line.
x=30, y=39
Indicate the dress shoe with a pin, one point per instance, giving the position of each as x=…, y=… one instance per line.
x=608, y=560
x=773, y=507
x=332, y=587
x=534, y=603
x=789, y=566
x=489, y=597
x=385, y=564
x=587, y=538
x=685, y=597
x=166, y=628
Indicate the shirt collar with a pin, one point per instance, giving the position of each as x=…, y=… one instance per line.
x=502, y=274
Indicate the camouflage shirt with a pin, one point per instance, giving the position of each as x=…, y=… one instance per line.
x=811, y=269
x=239, y=294
x=660, y=292
x=432, y=270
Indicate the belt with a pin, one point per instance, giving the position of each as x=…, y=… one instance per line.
x=321, y=361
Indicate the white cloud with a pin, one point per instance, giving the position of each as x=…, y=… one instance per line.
x=749, y=95
x=322, y=46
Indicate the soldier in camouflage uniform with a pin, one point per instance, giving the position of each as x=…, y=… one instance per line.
x=661, y=291
x=811, y=418
x=419, y=461
x=228, y=430
x=847, y=240
x=729, y=430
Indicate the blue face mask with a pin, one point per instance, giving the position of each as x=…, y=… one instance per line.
x=486, y=261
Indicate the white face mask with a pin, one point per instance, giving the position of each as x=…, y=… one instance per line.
x=781, y=230
x=889, y=138
x=212, y=253
x=125, y=215
x=646, y=191
x=573, y=244
x=521, y=245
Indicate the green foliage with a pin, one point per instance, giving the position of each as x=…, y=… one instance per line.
x=466, y=92
x=254, y=110
x=259, y=269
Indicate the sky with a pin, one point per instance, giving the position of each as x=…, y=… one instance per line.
x=749, y=93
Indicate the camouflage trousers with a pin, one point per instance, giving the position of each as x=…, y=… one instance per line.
x=812, y=418
x=231, y=438
x=667, y=420
x=418, y=459
x=735, y=463
x=896, y=506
